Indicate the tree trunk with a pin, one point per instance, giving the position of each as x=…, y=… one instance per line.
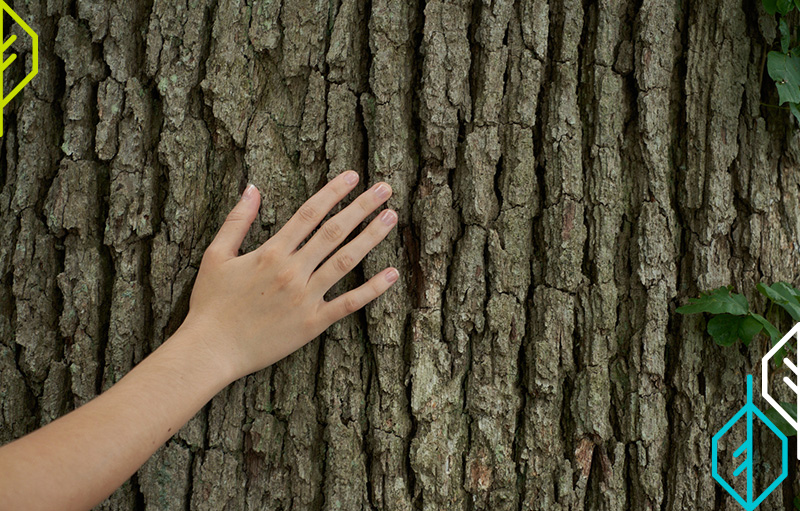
x=565, y=174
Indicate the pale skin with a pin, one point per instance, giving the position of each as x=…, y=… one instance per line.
x=245, y=313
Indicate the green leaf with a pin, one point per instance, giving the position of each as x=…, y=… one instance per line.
x=782, y=423
x=749, y=327
x=783, y=295
x=796, y=500
x=784, y=6
x=787, y=297
x=774, y=334
x=795, y=109
x=797, y=3
x=725, y=329
x=718, y=301
x=785, y=70
x=786, y=36
x=771, y=6
x=795, y=291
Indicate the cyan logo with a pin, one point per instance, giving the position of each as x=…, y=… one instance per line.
x=748, y=412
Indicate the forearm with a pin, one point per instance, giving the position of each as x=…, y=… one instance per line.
x=78, y=460
x=245, y=313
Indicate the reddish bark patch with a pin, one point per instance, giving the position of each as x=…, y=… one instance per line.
x=583, y=455
x=480, y=475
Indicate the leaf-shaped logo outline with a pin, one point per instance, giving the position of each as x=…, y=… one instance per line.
x=4, y=63
x=795, y=386
x=747, y=447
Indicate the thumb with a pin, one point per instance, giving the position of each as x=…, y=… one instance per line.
x=232, y=233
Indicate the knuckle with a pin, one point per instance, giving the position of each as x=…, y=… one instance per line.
x=377, y=231
x=350, y=304
x=297, y=297
x=285, y=276
x=235, y=215
x=307, y=213
x=331, y=231
x=365, y=206
x=343, y=263
x=267, y=256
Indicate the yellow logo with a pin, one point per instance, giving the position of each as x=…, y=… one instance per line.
x=5, y=62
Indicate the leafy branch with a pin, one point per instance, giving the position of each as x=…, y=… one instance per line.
x=784, y=66
x=732, y=320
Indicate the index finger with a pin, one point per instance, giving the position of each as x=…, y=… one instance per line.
x=311, y=213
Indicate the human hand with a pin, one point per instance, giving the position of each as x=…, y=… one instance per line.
x=255, y=309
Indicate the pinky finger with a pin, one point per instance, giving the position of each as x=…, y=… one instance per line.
x=357, y=298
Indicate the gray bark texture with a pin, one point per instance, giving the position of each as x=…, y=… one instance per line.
x=565, y=172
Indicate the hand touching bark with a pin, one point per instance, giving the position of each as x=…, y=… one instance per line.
x=245, y=313
x=255, y=309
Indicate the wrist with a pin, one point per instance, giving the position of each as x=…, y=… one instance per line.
x=205, y=344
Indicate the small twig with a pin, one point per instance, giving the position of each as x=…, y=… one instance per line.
x=775, y=106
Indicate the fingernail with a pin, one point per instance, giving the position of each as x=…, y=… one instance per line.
x=249, y=191
x=382, y=191
x=392, y=275
x=388, y=217
x=351, y=177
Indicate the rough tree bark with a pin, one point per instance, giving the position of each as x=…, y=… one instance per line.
x=565, y=174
